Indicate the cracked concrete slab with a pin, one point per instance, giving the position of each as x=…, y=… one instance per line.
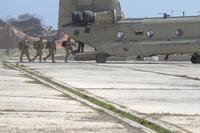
x=160, y=90
x=27, y=106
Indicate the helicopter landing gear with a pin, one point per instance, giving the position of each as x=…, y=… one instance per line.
x=195, y=59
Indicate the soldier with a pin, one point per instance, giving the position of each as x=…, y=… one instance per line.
x=23, y=47
x=68, y=47
x=51, y=45
x=38, y=45
x=81, y=46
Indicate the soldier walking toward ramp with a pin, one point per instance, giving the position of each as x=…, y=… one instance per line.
x=51, y=45
x=23, y=47
x=68, y=48
x=38, y=45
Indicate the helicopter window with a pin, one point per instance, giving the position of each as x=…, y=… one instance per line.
x=139, y=32
x=120, y=35
x=179, y=32
x=150, y=34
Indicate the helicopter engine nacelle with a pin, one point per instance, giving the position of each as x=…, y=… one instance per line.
x=87, y=17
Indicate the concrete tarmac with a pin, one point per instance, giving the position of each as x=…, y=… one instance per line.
x=166, y=91
x=27, y=106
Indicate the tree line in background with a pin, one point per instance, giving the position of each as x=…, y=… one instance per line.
x=30, y=25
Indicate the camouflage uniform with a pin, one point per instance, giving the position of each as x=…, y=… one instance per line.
x=81, y=46
x=23, y=47
x=68, y=48
x=51, y=45
x=38, y=46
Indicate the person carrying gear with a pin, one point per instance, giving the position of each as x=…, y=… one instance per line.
x=81, y=46
x=23, y=47
x=51, y=45
x=38, y=45
x=68, y=48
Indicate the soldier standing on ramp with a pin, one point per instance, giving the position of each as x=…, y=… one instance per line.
x=51, y=45
x=81, y=46
x=23, y=47
x=38, y=45
x=68, y=48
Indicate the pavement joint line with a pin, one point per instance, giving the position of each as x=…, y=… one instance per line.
x=160, y=73
x=125, y=120
x=167, y=74
x=37, y=76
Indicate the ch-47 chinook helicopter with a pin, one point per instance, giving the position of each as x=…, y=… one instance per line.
x=102, y=25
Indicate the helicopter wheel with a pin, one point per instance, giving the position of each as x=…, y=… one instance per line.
x=101, y=58
x=195, y=59
x=140, y=58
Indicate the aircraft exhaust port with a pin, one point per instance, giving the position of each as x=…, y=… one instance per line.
x=83, y=18
x=87, y=17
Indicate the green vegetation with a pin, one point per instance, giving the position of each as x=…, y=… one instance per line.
x=33, y=82
x=95, y=101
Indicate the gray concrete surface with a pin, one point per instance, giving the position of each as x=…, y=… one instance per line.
x=159, y=89
x=26, y=106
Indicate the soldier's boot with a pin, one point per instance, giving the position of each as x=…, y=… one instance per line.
x=79, y=49
x=53, y=58
x=28, y=56
x=21, y=57
x=66, y=61
x=82, y=49
x=53, y=61
x=45, y=58
x=66, y=57
x=33, y=60
x=40, y=59
x=29, y=59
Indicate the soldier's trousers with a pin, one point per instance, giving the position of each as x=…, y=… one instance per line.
x=68, y=51
x=67, y=55
x=39, y=54
x=52, y=54
x=25, y=53
x=81, y=48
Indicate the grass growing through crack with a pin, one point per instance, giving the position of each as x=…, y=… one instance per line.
x=98, y=102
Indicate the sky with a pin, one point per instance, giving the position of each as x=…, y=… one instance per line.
x=48, y=9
